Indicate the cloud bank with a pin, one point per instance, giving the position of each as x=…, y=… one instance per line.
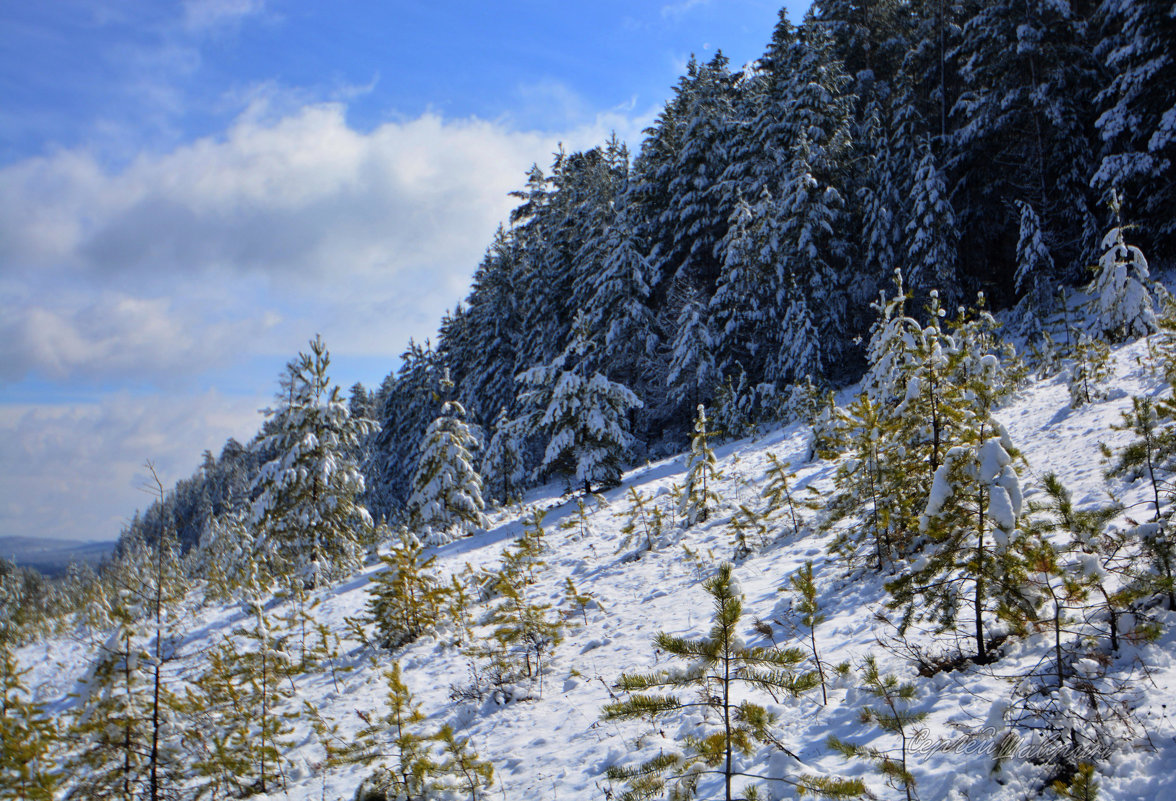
x=179, y=268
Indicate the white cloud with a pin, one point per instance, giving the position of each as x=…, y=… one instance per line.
x=228, y=251
x=200, y=15
x=74, y=471
x=116, y=336
x=298, y=212
x=681, y=8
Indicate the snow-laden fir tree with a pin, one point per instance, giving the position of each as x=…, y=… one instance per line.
x=699, y=497
x=585, y=418
x=692, y=372
x=800, y=352
x=446, y=501
x=306, y=510
x=503, y=469
x=1122, y=301
x=1033, y=279
x=931, y=234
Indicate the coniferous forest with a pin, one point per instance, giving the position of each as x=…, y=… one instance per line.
x=904, y=218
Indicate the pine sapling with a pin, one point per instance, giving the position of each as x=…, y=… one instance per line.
x=29, y=739
x=1089, y=372
x=894, y=715
x=578, y=602
x=717, y=664
x=462, y=765
x=699, y=497
x=802, y=583
x=779, y=494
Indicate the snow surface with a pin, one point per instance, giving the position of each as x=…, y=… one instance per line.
x=557, y=747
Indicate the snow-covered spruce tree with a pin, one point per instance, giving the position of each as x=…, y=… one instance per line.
x=1034, y=277
x=1122, y=301
x=692, y=371
x=29, y=740
x=221, y=559
x=970, y=523
x=801, y=352
x=406, y=596
x=585, y=419
x=446, y=500
x=698, y=495
x=503, y=470
x=720, y=668
x=931, y=233
x=306, y=512
x=743, y=306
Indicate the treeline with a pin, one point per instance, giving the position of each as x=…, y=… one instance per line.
x=973, y=145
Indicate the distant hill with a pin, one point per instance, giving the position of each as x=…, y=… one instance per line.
x=51, y=556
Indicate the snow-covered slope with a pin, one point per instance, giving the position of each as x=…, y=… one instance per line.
x=556, y=746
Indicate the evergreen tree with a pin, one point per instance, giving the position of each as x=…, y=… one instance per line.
x=406, y=597
x=405, y=768
x=1149, y=456
x=29, y=740
x=719, y=664
x=502, y=464
x=801, y=351
x=584, y=418
x=113, y=719
x=931, y=235
x=1035, y=271
x=447, y=490
x=411, y=400
x=971, y=523
x=802, y=583
x=262, y=674
x=1122, y=301
x=306, y=510
x=893, y=715
x=1136, y=119
x=692, y=371
x=699, y=496
x=1089, y=371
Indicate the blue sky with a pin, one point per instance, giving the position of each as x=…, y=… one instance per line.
x=190, y=191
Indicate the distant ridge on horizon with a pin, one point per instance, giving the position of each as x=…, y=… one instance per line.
x=51, y=556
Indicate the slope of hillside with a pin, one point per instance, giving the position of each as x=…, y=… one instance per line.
x=554, y=744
